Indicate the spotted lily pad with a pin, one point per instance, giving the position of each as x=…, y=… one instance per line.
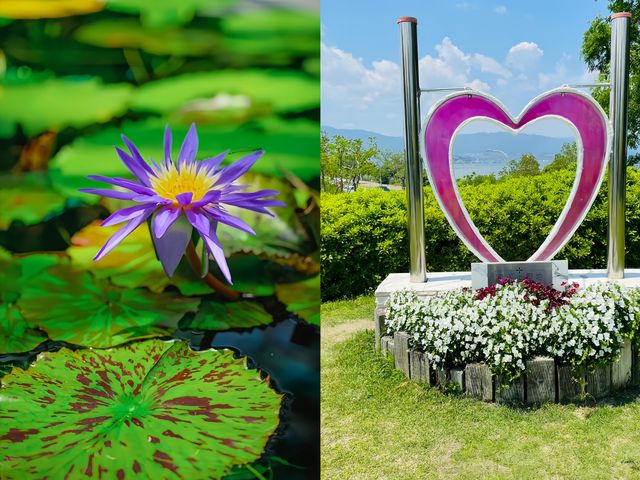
x=78, y=308
x=15, y=333
x=302, y=298
x=214, y=315
x=18, y=271
x=27, y=198
x=153, y=408
x=22, y=103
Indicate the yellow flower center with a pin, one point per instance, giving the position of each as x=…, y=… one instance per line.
x=170, y=182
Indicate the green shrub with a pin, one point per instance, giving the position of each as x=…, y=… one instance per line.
x=364, y=234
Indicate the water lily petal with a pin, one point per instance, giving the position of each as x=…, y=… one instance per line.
x=207, y=231
x=157, y=199
x=189, y=146
x=184, y=199
x=134, y=166
x=171, y=246
x=122, y=182
x=238, y=168
x=209, y=197
x=125, y=214
x=229, y=219
x=106, y=192
x=164, y=219
x=167, y=146
x=214, y=162
x=117, y=237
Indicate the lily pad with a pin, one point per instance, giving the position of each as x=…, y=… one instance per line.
x=78, y=308
x=285, y=91
x=22, y=103
x=227, y=315
x=169, y=12
x=122, y=33
x=154, y=407
x=291, y=145
x=18, y=271
x=27, y=198
x=275, y=33
x=302, y=298
x=15, y=333
x=30, y=9
x=133, y=264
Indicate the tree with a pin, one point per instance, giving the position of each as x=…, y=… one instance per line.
x=392, y=167
x=596, y=52
x=527, y=166
x=344, y=161
x=567, y=158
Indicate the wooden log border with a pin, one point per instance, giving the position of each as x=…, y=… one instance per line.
x=543, y=381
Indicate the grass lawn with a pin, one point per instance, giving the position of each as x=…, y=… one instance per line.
x=377, y=424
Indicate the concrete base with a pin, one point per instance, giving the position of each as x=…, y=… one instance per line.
x=445, y=281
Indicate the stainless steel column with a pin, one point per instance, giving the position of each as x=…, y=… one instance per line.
x=619, y=77
x=415, y=201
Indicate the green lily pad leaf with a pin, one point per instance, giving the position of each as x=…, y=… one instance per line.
x=78, y=308
x=154, y=407
x=291, y=145
x=302, y=298
x=214, y=315
x=15, y=333
x=123, y=33
x=285, y=91
x=22, y=103
x=18, y=271
x=169, y=12
x=133, y=264
x=273, y=32
x=27, y=198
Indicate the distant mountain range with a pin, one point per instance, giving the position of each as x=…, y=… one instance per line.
x=479, y=153
x=474, y=147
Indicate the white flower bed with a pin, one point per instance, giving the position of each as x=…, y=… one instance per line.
x=513, y=324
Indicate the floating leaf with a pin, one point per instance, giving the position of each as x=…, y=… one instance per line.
x=78, y=308
x=28, y=9
x=152, y=407
x=123, y=33
x=133, y=264
x=15, y=334
x=285, y=91
x=168, y=12
x=291, y=145
x=52, y=104
x=27, y=198
x=214, y=315
x=18, y=272
x=275, y=33
x=302, y=298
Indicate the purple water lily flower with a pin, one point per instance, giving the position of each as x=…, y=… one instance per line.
x=181, y=196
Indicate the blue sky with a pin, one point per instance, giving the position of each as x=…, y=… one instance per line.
x=513, y=50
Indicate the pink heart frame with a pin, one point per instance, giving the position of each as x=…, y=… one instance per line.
x=448, y=116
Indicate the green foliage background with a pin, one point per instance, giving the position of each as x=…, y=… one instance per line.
x=365, y=233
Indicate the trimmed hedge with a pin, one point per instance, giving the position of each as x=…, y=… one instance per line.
x=364, y=233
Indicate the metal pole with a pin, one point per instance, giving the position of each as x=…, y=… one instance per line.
x=619, y=76
x=415, y=201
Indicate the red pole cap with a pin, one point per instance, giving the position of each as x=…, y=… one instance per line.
x=621, y=15
x=407, y=19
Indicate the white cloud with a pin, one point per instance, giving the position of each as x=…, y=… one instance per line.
x=489, y=65
x=466, y=6
x=500, y=10
x=524, y=56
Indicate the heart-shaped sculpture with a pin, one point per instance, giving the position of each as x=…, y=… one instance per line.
x=453, y=112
